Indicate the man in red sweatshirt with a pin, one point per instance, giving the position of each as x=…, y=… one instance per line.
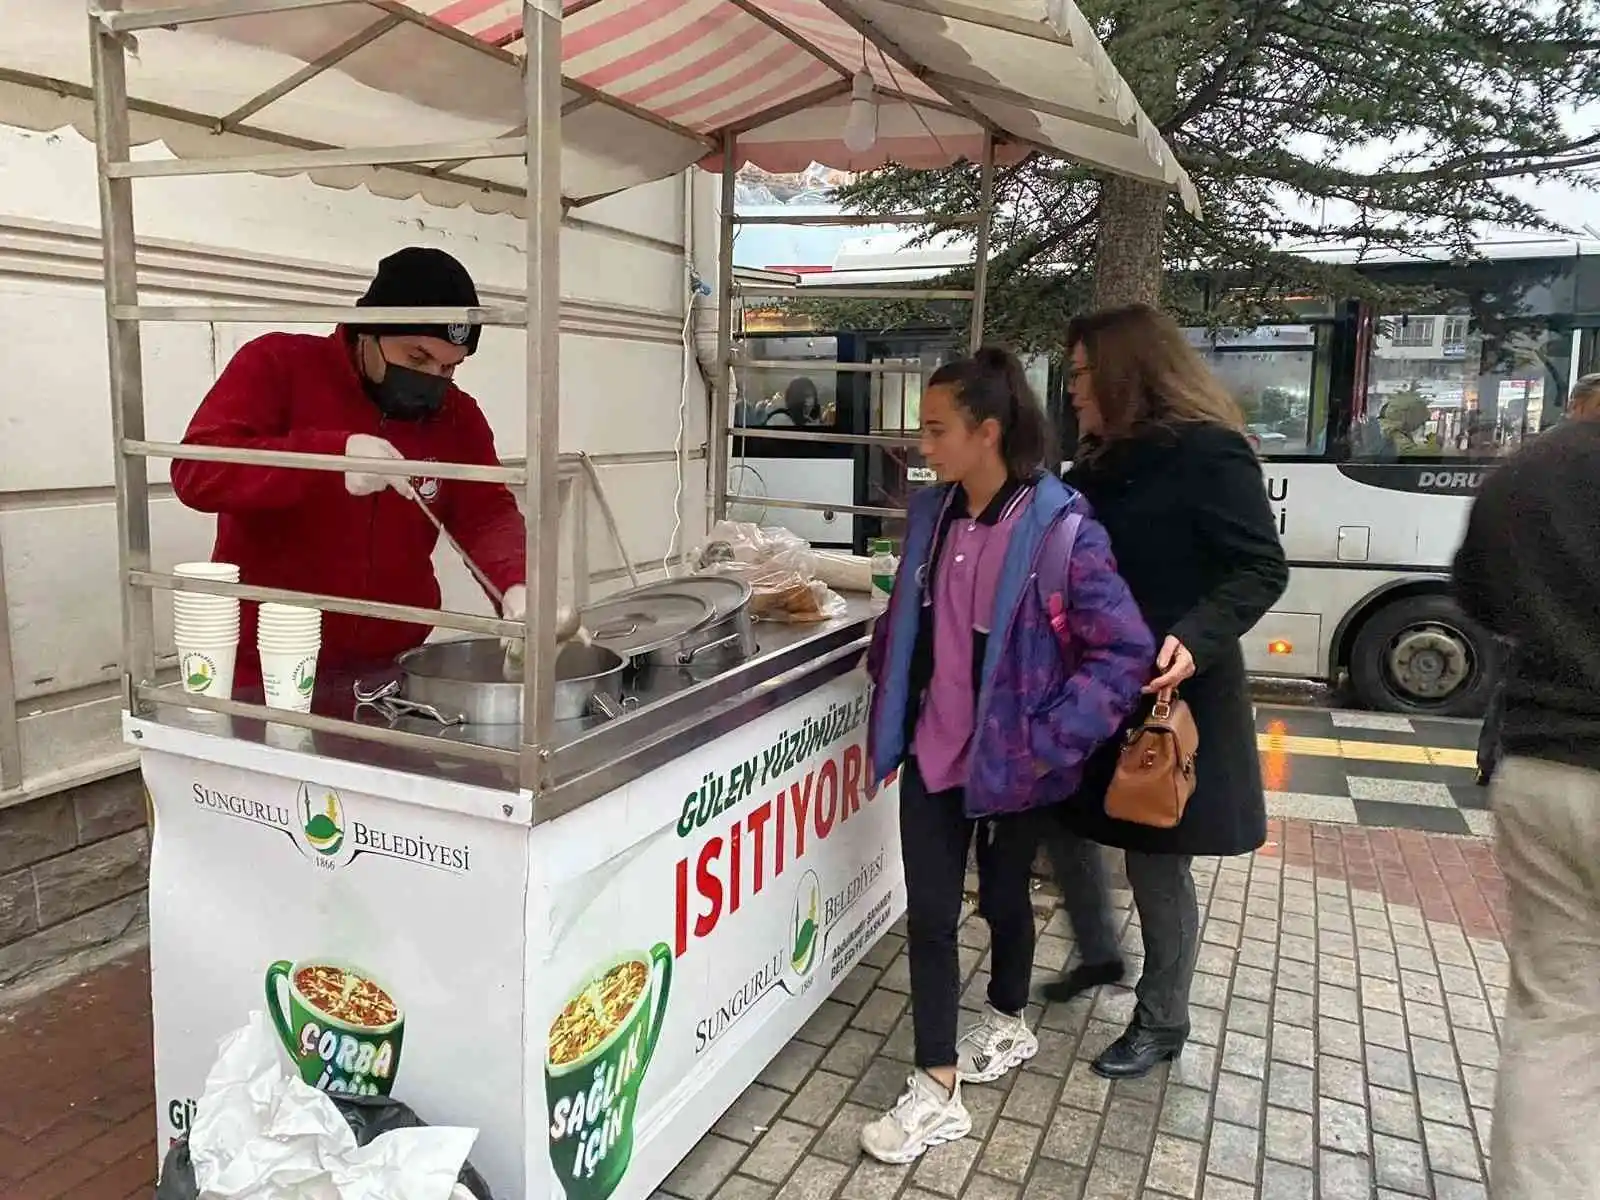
x=367, y=391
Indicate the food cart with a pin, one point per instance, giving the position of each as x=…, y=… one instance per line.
x=581, y=936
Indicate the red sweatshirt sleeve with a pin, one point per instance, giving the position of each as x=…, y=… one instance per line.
x=249, y=408
x=484, y=517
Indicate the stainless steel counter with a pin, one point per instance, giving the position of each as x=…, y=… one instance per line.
x=677, y=712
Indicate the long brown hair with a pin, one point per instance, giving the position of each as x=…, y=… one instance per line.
x=1146, y=374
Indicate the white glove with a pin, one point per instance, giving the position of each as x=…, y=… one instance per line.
x=359, y=483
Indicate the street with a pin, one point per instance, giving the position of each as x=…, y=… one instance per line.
x=1350, y=986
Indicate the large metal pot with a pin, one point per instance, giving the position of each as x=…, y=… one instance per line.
x=652, y=626
x=464, y=682
x=724, y=641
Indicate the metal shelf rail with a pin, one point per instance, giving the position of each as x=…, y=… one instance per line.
x=731, y=298
x=545, y=478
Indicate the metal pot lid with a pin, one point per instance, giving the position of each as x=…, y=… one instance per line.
x=726, y=594
x=645, y=619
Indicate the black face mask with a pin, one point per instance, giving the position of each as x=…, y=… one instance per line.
x=405, y=394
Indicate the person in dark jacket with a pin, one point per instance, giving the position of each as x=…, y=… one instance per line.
x=1011, y=649
x=1528, y=571
x=1164, y=462
x=1489, y=731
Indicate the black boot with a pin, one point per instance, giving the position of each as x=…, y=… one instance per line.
x=1082, y=978
x=1136, y=1053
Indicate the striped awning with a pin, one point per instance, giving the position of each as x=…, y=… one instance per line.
x=650, y=86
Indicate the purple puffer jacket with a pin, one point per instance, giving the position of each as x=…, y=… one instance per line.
x=1052, y=691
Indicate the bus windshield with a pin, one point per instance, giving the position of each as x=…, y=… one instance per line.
x=1279, y=374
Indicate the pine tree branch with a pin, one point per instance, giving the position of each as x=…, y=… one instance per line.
x=1211, y=90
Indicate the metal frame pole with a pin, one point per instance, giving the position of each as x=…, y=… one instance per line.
x=721, y=401
x=980, y=273
x=11, y=772
x=541, y=31
x=119, y=251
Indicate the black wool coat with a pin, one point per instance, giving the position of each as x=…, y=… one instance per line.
x=1194, y=537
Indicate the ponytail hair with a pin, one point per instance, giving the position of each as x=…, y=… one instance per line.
x=993, y=385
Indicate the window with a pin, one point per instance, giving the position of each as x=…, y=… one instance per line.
x=1279, y=376
x=1412, y=332
x=1477, y=397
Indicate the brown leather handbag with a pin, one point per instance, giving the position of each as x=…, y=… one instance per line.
x=1155, y=768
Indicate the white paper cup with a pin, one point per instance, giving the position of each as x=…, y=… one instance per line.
x=197, y=617
x=289, y=677
x=184, y=606
x=222, y=572
x=289, y=617
x=201, y=616
x=206, y=638
x=206, y=668
x=191, y=608
x=203, y=636
x=266, y=639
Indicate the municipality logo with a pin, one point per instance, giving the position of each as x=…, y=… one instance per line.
x=321, y=821
x=806, y=924
x=305, y=683
x=199, y=672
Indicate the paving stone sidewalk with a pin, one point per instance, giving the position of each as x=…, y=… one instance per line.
x=1346, y=1011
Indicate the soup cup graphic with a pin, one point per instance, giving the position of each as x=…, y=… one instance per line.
x=596, y=1057
x=341, y=1027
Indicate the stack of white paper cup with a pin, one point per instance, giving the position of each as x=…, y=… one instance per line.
x=206, y=630
x=289, y=639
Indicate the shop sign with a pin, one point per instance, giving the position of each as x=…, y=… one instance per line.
x=648, y=953
x=359, y=925
x=686, y=953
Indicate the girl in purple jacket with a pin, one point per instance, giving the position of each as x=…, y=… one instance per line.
x=1011, y=650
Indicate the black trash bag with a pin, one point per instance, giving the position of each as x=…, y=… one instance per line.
x=368, y=1117
x=177, y=1174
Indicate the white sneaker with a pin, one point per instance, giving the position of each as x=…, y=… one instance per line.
x=924, y=1116
x=995, y=1045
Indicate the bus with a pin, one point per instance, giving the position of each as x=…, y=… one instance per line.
x=1374, y=429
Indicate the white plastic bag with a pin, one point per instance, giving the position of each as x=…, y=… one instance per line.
x=780, y=567
x=263, y=1134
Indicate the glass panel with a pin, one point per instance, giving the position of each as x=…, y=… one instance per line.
x=896, y=398
x=804, y=395
x=1465, y=390
x=1279, y=376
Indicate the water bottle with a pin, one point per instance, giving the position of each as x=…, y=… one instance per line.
x=884, y=565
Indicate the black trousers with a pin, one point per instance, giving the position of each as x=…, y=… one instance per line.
x=1169, y=920
x=935, y=837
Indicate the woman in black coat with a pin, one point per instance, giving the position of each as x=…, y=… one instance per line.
x=1164, y=462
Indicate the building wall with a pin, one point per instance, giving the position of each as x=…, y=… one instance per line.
x=71, y=831
x=72, y=879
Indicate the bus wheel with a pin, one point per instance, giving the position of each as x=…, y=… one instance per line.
x=1421, y=655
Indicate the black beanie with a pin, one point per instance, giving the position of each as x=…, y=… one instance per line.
x=422, y=277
